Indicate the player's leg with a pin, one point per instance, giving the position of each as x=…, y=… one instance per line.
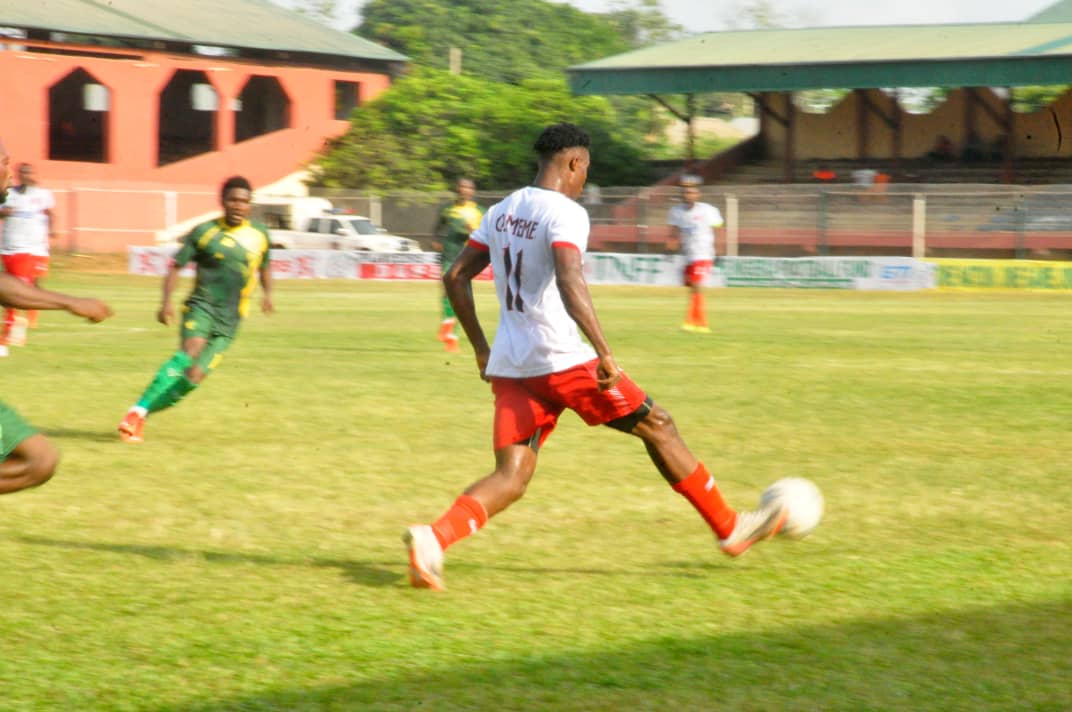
x=40, y=271
x=29, y=459
x=205, y=356
x=737, y=531
x=522, y=424
x=447, y=327
x=18, y=265
x=696, y=316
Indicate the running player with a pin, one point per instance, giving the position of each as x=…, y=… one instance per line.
x=539, y=366
x=28, y=227
x=456, y=220
x=693, y=224
x=229, y=252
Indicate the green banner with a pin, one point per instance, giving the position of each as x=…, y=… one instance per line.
x=1004, y=274
x=822, y=272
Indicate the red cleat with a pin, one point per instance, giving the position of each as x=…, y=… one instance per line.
x=132, y=428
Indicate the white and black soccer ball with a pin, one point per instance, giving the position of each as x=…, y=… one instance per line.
x=803, y=499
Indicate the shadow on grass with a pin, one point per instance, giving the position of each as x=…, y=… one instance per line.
x=102, y=436
x=366, y=573
x=1007, y=658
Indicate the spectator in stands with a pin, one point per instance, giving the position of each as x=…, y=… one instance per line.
x=943, y=149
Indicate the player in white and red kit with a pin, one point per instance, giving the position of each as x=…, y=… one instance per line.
x=693, y=225
x=27, y=212
x=539, y=365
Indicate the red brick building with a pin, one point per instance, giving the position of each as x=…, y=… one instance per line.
x=134, y=111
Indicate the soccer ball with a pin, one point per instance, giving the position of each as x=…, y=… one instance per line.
x=804, y=501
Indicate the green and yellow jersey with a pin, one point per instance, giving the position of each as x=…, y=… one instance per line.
x=455, y=223
x=228, y=261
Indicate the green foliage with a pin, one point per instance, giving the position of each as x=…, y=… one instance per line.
x=1028, y=99
x=643, y=24
x=504, y=41
x=432, y=126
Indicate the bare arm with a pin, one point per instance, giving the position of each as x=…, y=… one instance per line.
x=267, y=306
x=16, y=293
x=674, y=243
x=458, y=284
x=569, y=273
x=165, y=313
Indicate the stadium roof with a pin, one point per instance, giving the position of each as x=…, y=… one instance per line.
x=993, y=54
x=241, y=24
x=1058, y=12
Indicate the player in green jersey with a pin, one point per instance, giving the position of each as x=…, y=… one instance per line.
x=229, y=253
x=456, y=220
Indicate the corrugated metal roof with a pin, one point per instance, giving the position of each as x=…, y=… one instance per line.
x=245, y=24
x=992, y=54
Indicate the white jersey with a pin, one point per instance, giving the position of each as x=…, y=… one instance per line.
x=697, y=226
x=26, y=229
x=536, y=336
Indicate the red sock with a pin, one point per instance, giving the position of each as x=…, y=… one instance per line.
x=698, y=310
x=702, y=492
x=466, y=516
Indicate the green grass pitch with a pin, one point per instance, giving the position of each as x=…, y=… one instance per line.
x=247, y=556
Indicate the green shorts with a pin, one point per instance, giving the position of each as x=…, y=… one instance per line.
x=13, y=429
x=199, y=323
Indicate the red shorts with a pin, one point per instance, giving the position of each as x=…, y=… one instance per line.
x=525, y=405
x=696, y=272
x=25, y=266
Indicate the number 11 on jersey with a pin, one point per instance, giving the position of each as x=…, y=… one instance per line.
x=514, y=302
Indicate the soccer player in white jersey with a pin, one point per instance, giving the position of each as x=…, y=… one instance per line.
x=539, y=366
x=27, y=213
x=693, y=225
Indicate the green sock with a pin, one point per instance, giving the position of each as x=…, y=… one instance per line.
x=171, y=371
x=175, y=393
x=448, y=309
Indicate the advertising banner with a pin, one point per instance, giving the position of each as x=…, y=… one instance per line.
x=872, y=273
x=1004, y=274
x=885, y=273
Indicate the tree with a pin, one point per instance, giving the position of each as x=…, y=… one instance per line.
x=431, y=127
x=504, y=41
x=325, y=11
x=643, y=24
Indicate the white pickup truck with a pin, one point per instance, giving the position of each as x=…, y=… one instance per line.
x=342, y=232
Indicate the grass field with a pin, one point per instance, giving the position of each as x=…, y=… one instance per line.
x=247, y=556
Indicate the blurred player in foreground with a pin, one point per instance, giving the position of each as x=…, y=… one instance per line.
x=29, y=458
x=456, y=220
x=229, y=252
x=28, y=227
x=539, y=366
x=693, y=224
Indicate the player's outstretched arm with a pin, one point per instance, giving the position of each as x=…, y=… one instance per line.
x=16, y=293
x=458, y=284
x=267, y=305
x=569, y=273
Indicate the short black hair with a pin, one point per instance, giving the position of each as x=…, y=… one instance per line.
x=235, y=182
x=559, y=137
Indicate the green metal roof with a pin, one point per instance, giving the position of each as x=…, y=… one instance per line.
x=1058, y=12
x=241, y=24
x=993, y=54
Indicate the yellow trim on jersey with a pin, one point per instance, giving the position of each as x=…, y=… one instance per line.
x=209, y=234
